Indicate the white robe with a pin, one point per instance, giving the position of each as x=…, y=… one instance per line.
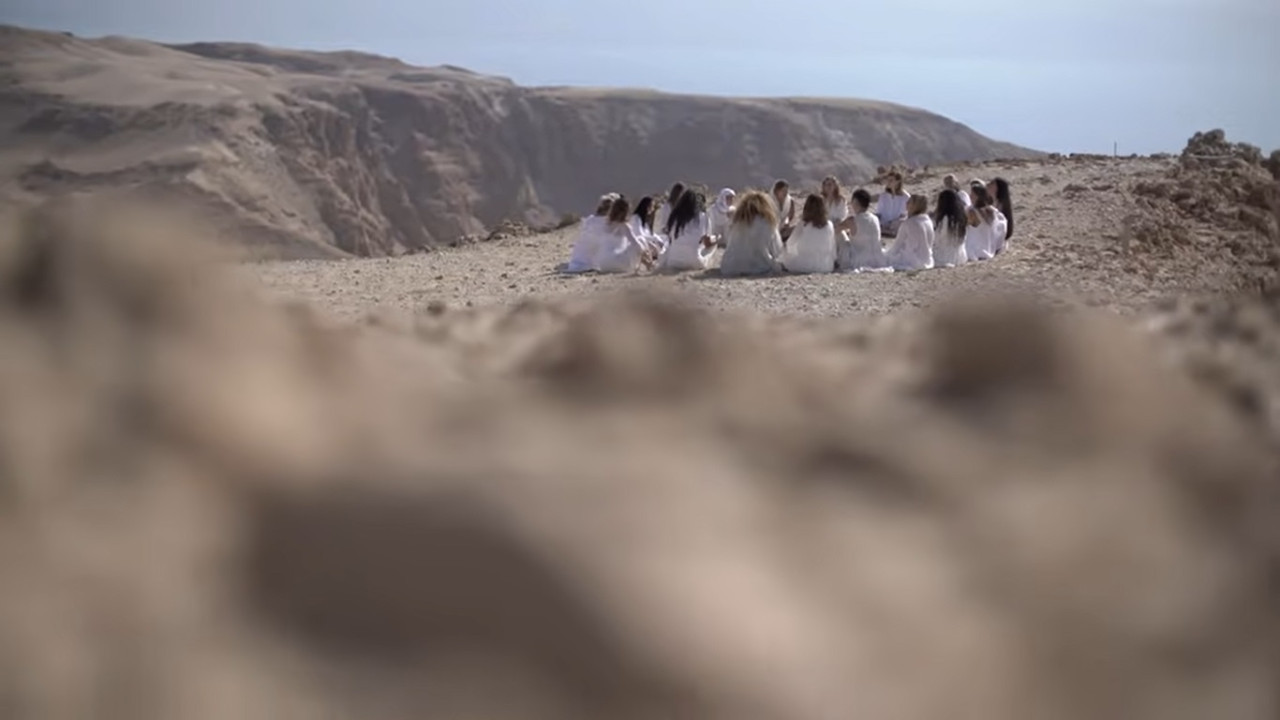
x=999, y=228
x=754, y=249
x=865, y=248
x=913, y=248
x=948, y=249
x=721, y=213
x=650, y=238
x=583, y=256
x=977, y=240
x=890, y=208
x=837, y=210
x=620, y=249
x=785, y=209
x=811, y=250
x=685, y=250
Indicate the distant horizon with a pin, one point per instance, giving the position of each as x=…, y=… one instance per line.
x=1137, y=77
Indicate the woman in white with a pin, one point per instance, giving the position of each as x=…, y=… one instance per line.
x=621, y=250
x=812, y=247
x=784, y=207
x=583, y=256
x=950, y=183
x=754, y=246
x=891, y=207
x=864, y=249
x=689, y=245
x=664, y=212
x=833, y=197
x=913, y=248
x=1002, y=203
x=949, y=221
x=641, y=224
x=981, y=231
x=722, y=213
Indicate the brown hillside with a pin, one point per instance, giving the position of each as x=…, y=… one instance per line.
x=307, y=154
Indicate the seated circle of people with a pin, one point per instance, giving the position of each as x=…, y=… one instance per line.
x=756, y=232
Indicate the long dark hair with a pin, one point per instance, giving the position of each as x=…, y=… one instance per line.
x=618, y=213
x=1004, y=201
x=674, y=195
x=950, y=208
x=683, y=212
x=644, y=211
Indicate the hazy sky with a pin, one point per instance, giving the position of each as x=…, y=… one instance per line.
x=1072, y=76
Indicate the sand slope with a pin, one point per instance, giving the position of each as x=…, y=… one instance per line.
x=302, y=154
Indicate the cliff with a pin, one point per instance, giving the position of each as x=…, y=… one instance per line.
x=309, y=154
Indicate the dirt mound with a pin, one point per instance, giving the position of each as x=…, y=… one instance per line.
x=323, y=154
x=621, y=508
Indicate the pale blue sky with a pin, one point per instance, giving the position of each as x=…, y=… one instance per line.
x=1063, y=76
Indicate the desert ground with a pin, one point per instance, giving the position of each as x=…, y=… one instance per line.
x=455, y=484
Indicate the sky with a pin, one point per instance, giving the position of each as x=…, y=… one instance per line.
x=1065, y=77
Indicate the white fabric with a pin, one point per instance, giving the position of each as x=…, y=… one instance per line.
x=864, y=248
x=913, y=248
x=583, y=256
x=948, y=249
x=620, y=249
x=660, y=221
x=685, y=251
x=811, y=249
x=977, y=239
x=754, y=249
x=891, y=207
x=965, y=199
x=721, y=212
x=999, y=228
x=648, y=236
x=837, y=210
x=784, y=210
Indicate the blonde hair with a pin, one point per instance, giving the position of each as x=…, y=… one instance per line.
x=917, y=205
x=839, y=192
x=754, y=205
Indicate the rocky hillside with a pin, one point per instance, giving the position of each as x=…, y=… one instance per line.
x=301, y=154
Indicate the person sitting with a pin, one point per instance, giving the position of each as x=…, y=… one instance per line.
x=641, y=223
x=891, y=208
x=913, y=248
x=784, y=208
x=1002, y=202
x=981, y=231
x=754, y=244
x=689, y=245
x=621, y=250
x=950, y=183
x=833, y=197
x=583, y=256
x=664, y=212
x=812, y=247
x=861, y=247
x=949, y=221
x=721, y=214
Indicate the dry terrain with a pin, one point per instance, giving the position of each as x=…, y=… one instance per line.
x=309, y=155
x=505, y=494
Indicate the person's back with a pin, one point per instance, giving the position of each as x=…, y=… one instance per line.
x=582, y=258
x=621, y=250
x=865, y=246
x=978, y=237
x=688, y=236
x=754, y=244
x=913, y=248
x=948, y=244
x=812, y=246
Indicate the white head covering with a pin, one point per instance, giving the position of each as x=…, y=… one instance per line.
x=724, y=202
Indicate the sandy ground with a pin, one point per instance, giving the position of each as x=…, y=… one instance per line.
x=563, y=503
x=1068, y=246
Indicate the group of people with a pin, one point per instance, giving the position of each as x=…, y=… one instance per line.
x=761, y=234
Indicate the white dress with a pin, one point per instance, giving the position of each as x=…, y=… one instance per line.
x=650, y=238
x=811, y=249
x=620, y=249
x=837, y=210
x=721, y=213
x=787, y=207
x=913, y=248
x=891, y=208
x=754, y=249
x=948, y=249
x=977, y=240
x=999, y=228
x=583, y=256
x=865, y=249
x=685, y=250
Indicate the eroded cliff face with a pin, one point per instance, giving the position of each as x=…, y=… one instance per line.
x=316, y=154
